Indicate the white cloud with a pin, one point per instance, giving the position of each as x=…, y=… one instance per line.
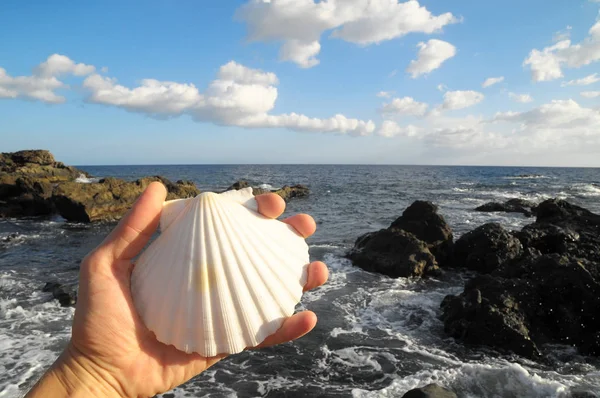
x=405, y=106
x=299, y=24
x=57, y=65
x=590, y=94
x=442, y=87
x=41, y=85
x=490, y=81
x=454, y=100
x=240, y=96
x=431, y=56
x=384, y=94
x=548, y=63
x=584, y=81
x=562, y=34
x=522, y=98
x=390, y=129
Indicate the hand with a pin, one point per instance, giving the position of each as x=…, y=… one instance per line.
x=111, y=352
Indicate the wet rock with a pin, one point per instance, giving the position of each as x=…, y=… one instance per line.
x=422, y=220
x=65, y=297
x=488, y=313
x=286, y=192
x=393, y=252
x=529, y=302
x=430, y=391
x=110, y=198
x=510, y=206
x=486, y=248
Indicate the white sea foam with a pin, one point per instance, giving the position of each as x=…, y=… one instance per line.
x=83, y=179
x=586, y=189
x=266, y=186
x=476, y=380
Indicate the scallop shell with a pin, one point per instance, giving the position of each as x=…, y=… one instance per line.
x=220, y=277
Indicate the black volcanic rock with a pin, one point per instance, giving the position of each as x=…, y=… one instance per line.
x=430, y=391
x=510, y=206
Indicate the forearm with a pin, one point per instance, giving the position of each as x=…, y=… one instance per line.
x=68, y=377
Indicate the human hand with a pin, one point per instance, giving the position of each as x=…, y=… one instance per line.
x=111, y=352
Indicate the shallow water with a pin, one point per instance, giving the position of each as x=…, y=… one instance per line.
x=376, y=337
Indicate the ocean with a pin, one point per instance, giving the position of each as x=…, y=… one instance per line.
x=376, y=336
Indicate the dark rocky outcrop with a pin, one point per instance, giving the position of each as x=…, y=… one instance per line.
x=486, y=248
x=32, y=183
x=110, y=198
x=286, y=192
x=393, y=252
x=415, y=244
x=510, y=206
x=430, y=391
x=548, y=291
x=422, y=220
x=65, y=296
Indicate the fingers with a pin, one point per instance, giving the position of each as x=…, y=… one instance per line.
x=135, y=229
x=303, y=224
x=270, y=205
x=293, y=328
x=317, y=275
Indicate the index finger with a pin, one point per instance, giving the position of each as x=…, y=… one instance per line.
x=135, y=229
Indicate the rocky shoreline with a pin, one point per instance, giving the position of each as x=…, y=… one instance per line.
x=33, y=183
x=537, y=286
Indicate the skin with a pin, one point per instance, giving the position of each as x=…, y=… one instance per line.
x=111, y=353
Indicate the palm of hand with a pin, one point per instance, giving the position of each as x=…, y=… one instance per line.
x=109, y=337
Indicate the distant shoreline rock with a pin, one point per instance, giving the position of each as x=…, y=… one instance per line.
x=33, y=183
x=286, y=192
x=510, y=206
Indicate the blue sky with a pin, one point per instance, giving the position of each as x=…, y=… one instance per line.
x=229, y=80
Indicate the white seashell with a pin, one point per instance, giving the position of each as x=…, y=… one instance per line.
x=220, y=277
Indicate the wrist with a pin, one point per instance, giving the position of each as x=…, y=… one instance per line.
x=73, y=375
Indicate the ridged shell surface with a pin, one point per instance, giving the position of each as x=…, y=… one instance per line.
x=220, y=277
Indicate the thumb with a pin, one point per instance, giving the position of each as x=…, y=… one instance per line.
x=135, y=229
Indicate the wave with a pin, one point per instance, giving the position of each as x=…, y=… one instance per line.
x=83, y=179
x=586, y=189
x=526, y=177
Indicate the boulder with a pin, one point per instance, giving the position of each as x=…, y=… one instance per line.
x=65, y=296
x=393, y=252
x=486, y=248
x=529, y=302
x=422, y=220
x=488, y=313
x=510, y=206
x=286, y=192
x=430, y=391
x=110, y=198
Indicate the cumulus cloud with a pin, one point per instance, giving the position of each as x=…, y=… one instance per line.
x=430, y=57
x=240, y=96
x=41, y=85
x=384, y=94
x=390, y=128
x=405, y=106
x=299, y=24
x=548, y=63
x=522, y=98
x=584, y=81
x=490, y=81
x=459, y=99
x=590, y=94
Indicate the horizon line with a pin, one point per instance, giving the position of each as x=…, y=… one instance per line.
x=331, y=164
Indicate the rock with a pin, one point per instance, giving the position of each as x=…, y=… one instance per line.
x=510, y=206
x=286, y=192
x=488, y=313
x=430, y=391
x=41, y=157
x=527, y=303
x=393, y=252
x=65, y=297
x=422, y=220
x=563, y=228
x=110, y=198
x=486, y=248
x=294, y=191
